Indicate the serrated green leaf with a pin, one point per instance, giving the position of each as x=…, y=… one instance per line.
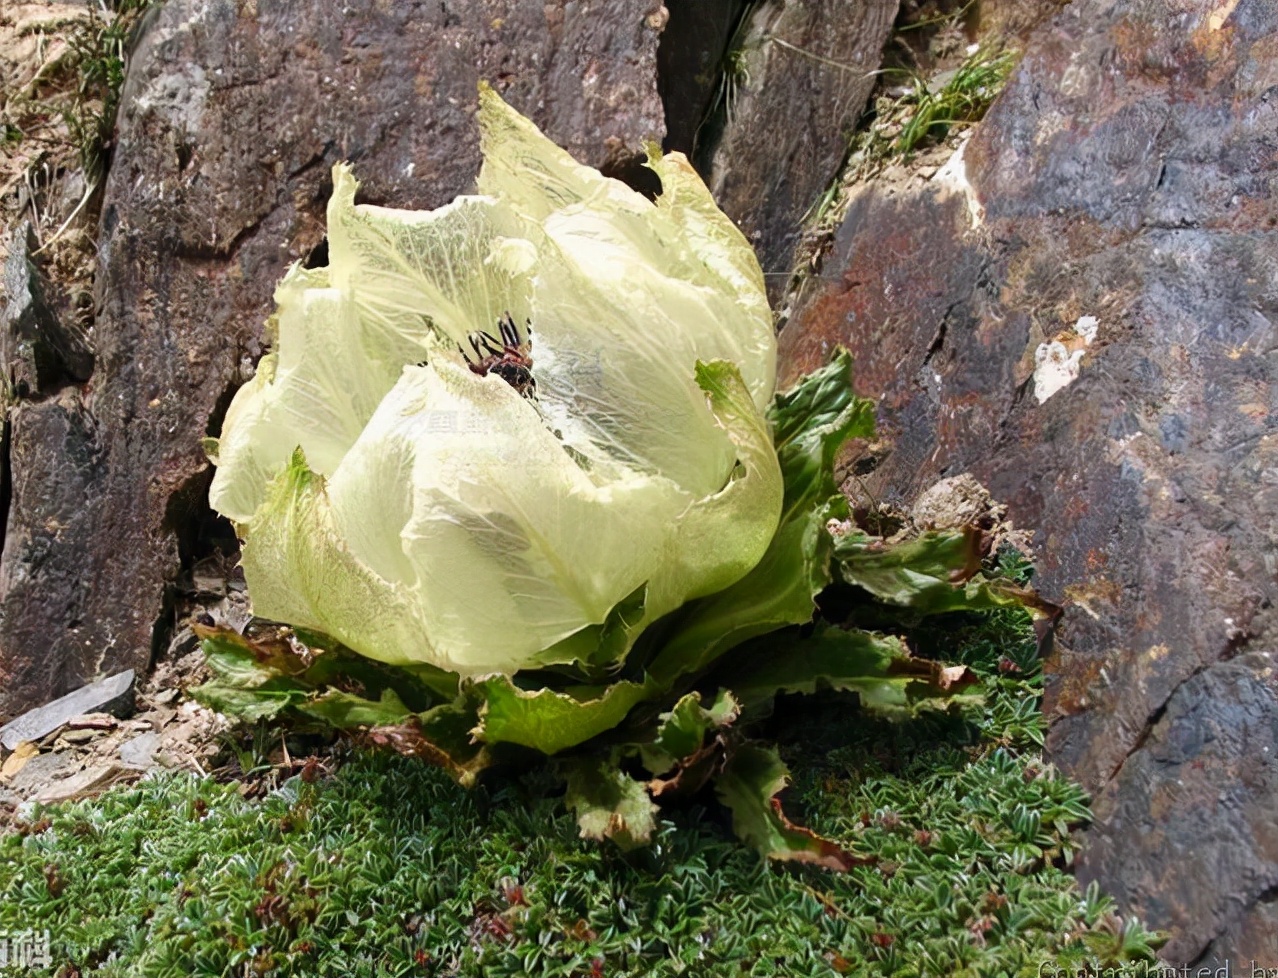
x=548, y=720
x=262, y=702
x=811, y=422
x=682, y=731
x=933, y=573
x=245, y=663
x=610, y=804
x=418, y=686
x=748, y=786
x=441, y=735
x=346, y=711
x=877, y=667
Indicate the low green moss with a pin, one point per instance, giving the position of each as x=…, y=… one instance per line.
x=388, y=868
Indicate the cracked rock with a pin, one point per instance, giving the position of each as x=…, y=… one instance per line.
x=1118, y=200
x=806, y=69
x=1201, y=792
x=38, y=351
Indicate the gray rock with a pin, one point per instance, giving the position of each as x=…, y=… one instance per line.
x=140, y=751
x=49, y=643
x=38, y=352
x=90, y=781
x=42, y=770
x=231, y=119
x=112, y=695
x=1123, y=183
x=804, y=73
x=1200, y=794
x=1249, y=940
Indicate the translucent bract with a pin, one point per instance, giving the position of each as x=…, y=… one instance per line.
x=419, y=511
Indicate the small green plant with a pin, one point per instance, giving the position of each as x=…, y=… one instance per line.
x=908, y=118
x=731, y=75
x=959, y=98
x=60, y=122
x=97, y=53
x=925, y=110
x=734, y=71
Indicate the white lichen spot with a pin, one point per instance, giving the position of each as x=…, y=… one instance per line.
x=1086, y=327
x=1055, y=368
x=1058, y=362
x=953, y=177
x=1216, y=20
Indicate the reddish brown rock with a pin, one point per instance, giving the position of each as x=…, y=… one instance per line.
x=233, y=115
x=1122, y=191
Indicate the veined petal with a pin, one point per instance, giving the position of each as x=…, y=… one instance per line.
x=526, y=170
x=724, y=535
x=316, y=391
x=458, y=493
x=398, y=280
x=622, y=389
x=509, y=544
x=444, y=516
x=300, y=570
x=726, y=263
x=417, y=274
x=628, y=296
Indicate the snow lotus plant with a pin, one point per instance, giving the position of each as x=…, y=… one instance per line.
x=516, y=477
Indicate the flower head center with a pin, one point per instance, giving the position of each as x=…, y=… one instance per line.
x=508, y=355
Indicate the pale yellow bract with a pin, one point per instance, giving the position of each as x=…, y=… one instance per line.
x=420, y=512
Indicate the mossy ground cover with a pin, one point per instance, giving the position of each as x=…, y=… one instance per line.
x=387, y=868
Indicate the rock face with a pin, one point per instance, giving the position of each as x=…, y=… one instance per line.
x=56, y=461
x=1081, y=311
x=233, y=114
x=689, y=65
